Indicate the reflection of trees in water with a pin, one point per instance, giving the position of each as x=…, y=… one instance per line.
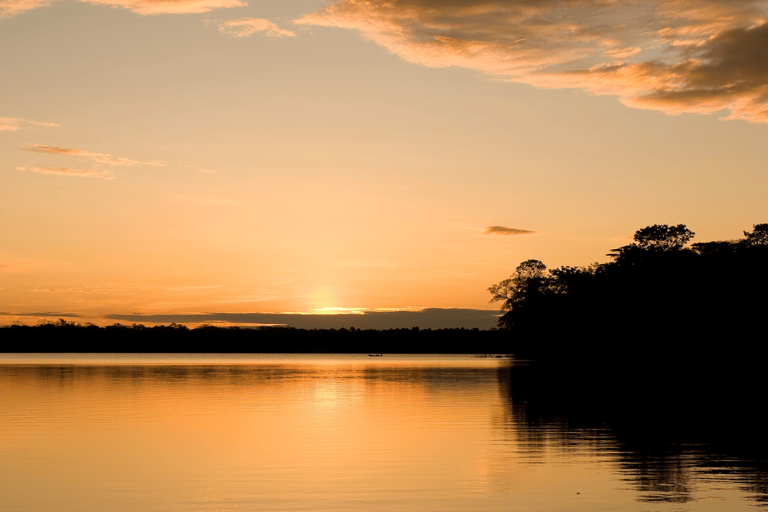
x=757, y=485
x=664, y=440
x=662, y=476
x=436, y=378
x=137, y=374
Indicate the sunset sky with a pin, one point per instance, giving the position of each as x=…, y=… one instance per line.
x=175, y=157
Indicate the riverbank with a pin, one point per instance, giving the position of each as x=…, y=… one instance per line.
x=66, y=337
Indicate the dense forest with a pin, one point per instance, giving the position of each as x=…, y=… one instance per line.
x=660, y=298
x=63, y=336
x=664, y=346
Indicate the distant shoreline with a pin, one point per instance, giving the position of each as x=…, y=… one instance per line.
x=66, y=337
x=426, y=318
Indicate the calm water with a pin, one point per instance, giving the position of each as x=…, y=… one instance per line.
x=327, y=432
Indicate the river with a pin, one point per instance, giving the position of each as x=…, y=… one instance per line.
x=95, y=432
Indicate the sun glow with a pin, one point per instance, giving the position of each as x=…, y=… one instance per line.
x=338, y=311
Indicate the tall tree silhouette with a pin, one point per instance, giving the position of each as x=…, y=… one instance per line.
x=519, y=291
x=658, y=296
x=758, y=236
x=663, y=237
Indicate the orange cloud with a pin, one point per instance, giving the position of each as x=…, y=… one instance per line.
x=14, y=123
x=102, y=158
x=65, y=171
x=10, y=8
x=7, y=124
x=623, y=53
x=669, y=55
x=249, y=26
x=503, y=230
x=169, y=6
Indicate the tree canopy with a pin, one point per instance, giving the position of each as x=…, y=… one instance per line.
x=663, y=237
x=657, y=295
x=758, y=236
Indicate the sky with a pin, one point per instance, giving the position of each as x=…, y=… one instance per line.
x=182, y=158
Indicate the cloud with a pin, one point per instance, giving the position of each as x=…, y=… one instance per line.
x=24, y=265
x=148, y=7
x=675, y=56
x=503, y=230
x=98, y=159
x=14, y=123
x=10, y=8
x=7, y=124
x=85, y=289
x=248, y=26
x=424, y=318
x=65, y=171
x=731, y=72
x=102, y=158
x=204, y=170
x=42, y=315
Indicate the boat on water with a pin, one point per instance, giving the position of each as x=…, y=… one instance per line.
x=375, y=355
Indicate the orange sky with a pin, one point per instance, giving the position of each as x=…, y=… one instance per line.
x=220, y=156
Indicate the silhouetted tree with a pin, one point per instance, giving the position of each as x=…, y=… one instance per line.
x=660, y=239
x=716, y=248
x=657, y=296
x=528, y=275
x=519, y=290
x=758, y=236
x=663, y=237
x=567, y=279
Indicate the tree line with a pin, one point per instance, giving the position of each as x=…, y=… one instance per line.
x=660, y=298
x=69, y=337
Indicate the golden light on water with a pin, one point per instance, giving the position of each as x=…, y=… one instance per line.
x=298, y=433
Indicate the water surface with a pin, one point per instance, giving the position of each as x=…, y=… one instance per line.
x=319, y=432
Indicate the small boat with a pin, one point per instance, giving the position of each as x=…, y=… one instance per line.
x=375, y=355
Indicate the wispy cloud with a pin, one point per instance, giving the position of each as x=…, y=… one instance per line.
x=670, y=55
x=169, y=6
x=42, y=315
x=10, y=8
x=98, y=160
x=16, y=265
x=248, y=26
x=7, y=124
x=503, y=230
x=197, y=168
x=87, y=289
x=102, y=158
x=335, y=318
x=66, y=171
x=14, y=123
